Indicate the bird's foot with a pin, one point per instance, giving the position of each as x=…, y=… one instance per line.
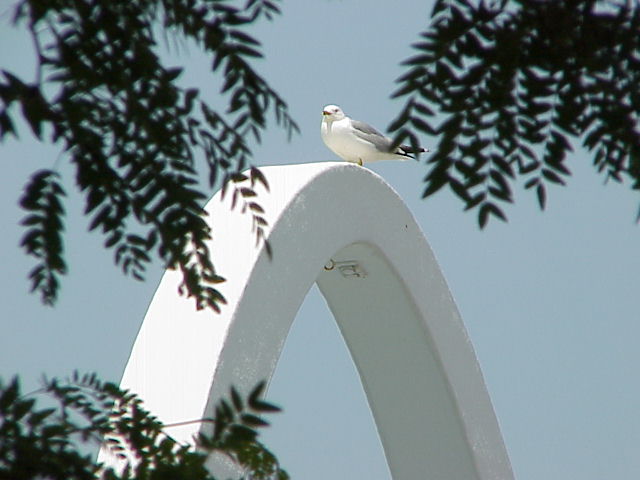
x=360, y=162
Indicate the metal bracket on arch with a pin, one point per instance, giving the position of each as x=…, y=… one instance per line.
x=347, y=268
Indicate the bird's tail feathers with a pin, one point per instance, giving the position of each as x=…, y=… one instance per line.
x=409, y=151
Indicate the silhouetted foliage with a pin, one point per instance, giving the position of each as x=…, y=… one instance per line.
x=52, y=442
x=133, y=133
x=507, y=84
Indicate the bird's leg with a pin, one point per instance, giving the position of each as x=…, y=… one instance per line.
x=360, y=162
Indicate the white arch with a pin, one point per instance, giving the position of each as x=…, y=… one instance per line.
x=390, y=300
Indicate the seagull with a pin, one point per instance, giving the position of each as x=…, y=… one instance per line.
x=358, y=142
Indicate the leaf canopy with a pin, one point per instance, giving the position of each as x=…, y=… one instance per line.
x=133, y=133
x=508, y=85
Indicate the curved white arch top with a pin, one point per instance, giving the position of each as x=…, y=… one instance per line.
x=387, y=294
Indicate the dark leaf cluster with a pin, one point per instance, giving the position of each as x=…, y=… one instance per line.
x=235, y=435
x=51, y=442
x=43, y=240
x=245, y=195
x=507, y=85
x=132, y=132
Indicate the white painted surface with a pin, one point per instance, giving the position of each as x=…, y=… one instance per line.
x=399, y=321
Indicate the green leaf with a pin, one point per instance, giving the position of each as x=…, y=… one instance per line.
x=36, y=418
x=253, y=421
x=6, y=125
x=542, y=195
x=423, y=126
x=9, y=394
x=21, y=408
x=488, y=209
x=243, y=37
x=237, y=400
x=242, y=434
x=247, y=51
x=256, y=393
x=258, y=177
x=552, y=176
x=265, y=407
x=172, y=73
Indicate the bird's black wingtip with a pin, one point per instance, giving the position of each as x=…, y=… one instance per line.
x=408, y=151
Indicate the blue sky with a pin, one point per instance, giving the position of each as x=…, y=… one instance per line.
x=549, y=299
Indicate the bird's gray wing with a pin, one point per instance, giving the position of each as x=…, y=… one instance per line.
x=368, y=133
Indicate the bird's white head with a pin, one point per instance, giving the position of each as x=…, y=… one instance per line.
x=332, y=113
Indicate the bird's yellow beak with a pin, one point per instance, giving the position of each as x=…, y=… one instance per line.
x=324, y=112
